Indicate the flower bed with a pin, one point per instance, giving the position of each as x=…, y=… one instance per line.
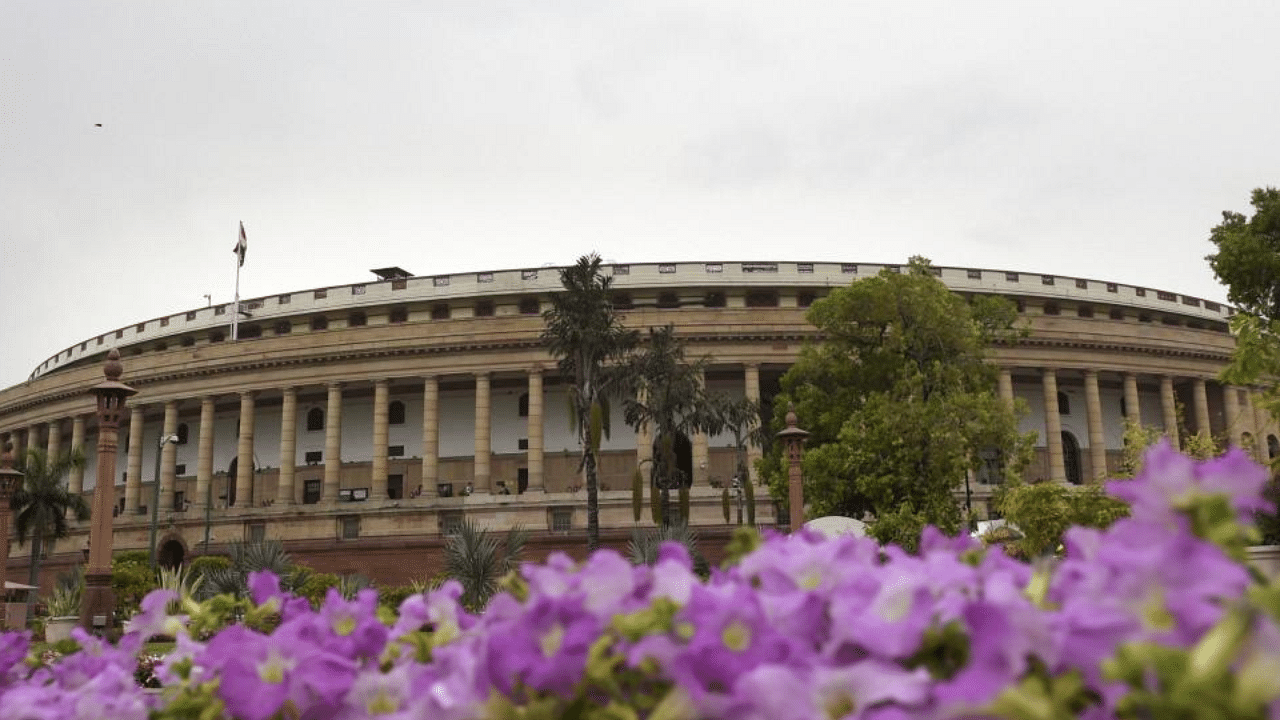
x=1157, y=616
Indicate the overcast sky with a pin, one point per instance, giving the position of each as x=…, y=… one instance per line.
x=1096, y=139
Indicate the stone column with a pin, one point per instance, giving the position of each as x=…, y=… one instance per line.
x=1005, y=385
x=244, y=453
x=534, y=462
x=481, y=483
x=1093, y=412
x=54, y=442
x=333, y=444
x=1169, y=405
x=76, y=482
x=701, y=449
x=19, y=450
x=168, y=455
x=1200, y=397
x=133, y=479
x=1132, y=403
x=34, y=437
x=751, y=389
x=1231, y=404
x=378, y=472
x=285, y=492
x=430, y=435
x=1053, y=426
x=204, y=454
x=1259, y=424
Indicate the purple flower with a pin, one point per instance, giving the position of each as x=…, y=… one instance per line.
x=544, y=647
x=1170, y=481
x=154, y=618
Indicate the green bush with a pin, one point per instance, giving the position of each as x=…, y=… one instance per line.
x=131, y=580
x=203, y=564
x=391, y=597
x=316, y=586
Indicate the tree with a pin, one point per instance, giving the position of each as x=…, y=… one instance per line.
x=667, y=395
x=42, y=505
x=479, y=561
x=899, y=401
x=586, y=336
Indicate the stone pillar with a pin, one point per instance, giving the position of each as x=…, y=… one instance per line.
x=76, y=482
x=1053, y=426
x=98, y=601
x=1231, y=404
x=1258, y=415
x=1005, y=385
x=54, y=442
x=285, y=492
x=168, y=455
x=244, y=453
x=534, y=462
x=751, y=390
x=133, y=480
x=1093, y=412
x=378, y=472
x=701, y=449
x=482, y=479
x=430, y=435
x=19, y=450
x=333, y=444
x=1132, y=402
x=1200, y=397
x=34, y=437
x=204, y=454
x=1169, y=405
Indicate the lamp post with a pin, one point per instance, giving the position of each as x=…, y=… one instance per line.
x=155, y=495
x=10, y=480
x=793, y=439
x=98, y=603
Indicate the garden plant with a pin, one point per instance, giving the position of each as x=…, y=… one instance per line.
x=1156, y=616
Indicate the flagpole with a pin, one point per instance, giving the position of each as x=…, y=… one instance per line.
x=235, y=318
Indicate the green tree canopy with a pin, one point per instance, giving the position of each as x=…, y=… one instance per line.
x=899, y=401
x=42, y=505
x=586, y=336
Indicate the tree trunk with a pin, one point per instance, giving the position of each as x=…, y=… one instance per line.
x=593, y=503
x=33, y=573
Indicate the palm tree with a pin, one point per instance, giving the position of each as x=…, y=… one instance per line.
x=585, y=335
x=478, y=560
x=42, y=505
x=248, y=557
x=742, y=418
x=668, y=396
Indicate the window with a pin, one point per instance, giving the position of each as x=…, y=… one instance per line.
x=444, y=281
x=805, y=298
x=974, y=274
x=666, y=268
x=1082, y=284
x=1144, y=317
x=395, y=413
x=1140, y=292
x=450, y=521
x=187, y=341
x=284, y=327
x=399, y=284
x=1051, y=308
x=315, y=419
x=183, y=432
x=220, y=310
x=668, y=300
x=484, y=308
x=714, y=267
x=713, y=300
x=349, y=527
x=622, y=301
x=314, y=457
x=164, y=322
x=762, y=298
x=1116, y=313
x=621, y=269
x=1046, y=279
x=1084, y=311
x=1011, y=277
x=1071, y=458
x=256, y=532
x=398, y=315
x=1273, y=447
x=804, y=268
x=849, y=269
x=395, y=451
x=1166, y=296
x=561, y=519
x=284, y=299
x=357, y=289
x=522, y=444
x=216, y=336
x=440, y=311
x=395, y=487
x=522, y=480
x=530, y=306
x=484, y=277
x=311, y=492
x=528, y=274
x=249, y=332
x=180, y=469
x=1064, y=404
x=319, y=322
x=191, y=314
x=357, y=319
x=321, y=294
x=522, y=405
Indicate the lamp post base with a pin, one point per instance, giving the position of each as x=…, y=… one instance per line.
x=99, y=604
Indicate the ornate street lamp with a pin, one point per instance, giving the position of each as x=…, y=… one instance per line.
x=793, y=439
x=98, y=605
x=10, y=481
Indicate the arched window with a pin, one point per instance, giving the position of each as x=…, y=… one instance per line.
x=182, y=433
x=524, y=405
x=1071, y=458
x=1273, y=447
x=315, y=419
x=1064, y=404
x=395, y=413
